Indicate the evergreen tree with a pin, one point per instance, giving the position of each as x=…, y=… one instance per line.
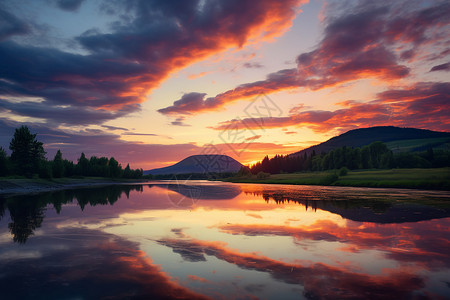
x=4, y=163
x=366, y=162
x=58, y=165
x=83, y=165
x=127, y=173
x=27, y=152
x=69, y=168
x=115, y=170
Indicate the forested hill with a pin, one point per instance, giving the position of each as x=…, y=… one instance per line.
x=365, y=136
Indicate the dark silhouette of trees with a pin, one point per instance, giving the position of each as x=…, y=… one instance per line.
x=4, y=163
x=83, y=165
x=98, y=166
x=28, y=159
x=130, y=173
x=27, y=152
x=373, y=156
x=58, y=165
x=104, y=167
x=115, y=169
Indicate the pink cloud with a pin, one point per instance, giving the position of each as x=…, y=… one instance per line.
x=423, y=105
x=360, y=43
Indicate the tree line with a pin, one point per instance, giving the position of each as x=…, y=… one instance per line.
x=28, y=159
x=374, y=156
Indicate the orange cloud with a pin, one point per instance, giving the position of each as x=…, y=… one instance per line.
x=423, y=105
x=122, y=66
x=350, y=50
x=198, y=278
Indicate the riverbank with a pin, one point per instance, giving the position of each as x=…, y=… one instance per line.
x=431, y=179
x=25, y=186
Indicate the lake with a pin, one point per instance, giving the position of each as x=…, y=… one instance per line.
x=214, y=240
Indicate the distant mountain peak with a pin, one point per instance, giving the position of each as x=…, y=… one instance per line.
x=200, y=164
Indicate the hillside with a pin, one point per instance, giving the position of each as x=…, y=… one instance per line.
x=200, y=164
x=416, y=139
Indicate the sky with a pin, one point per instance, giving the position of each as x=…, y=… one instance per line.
x=151, y=82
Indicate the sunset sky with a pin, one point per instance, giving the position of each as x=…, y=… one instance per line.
x=152, y=82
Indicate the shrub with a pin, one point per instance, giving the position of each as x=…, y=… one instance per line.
x=329, y=179
x=343, y=171
x=262, y=175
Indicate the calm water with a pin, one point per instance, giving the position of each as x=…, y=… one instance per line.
x=232, y=241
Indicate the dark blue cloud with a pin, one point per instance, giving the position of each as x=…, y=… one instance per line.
x=117, y=69
x=10, y=25
x=69, y=5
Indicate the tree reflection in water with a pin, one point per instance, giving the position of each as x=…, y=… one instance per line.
x=27, y=211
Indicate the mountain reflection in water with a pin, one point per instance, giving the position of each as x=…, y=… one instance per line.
x=199, y=240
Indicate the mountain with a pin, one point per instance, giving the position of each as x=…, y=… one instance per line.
x=202, y=164
x=385, y=134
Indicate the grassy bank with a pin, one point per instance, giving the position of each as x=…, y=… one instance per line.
x=437, y=178
x=15, y=185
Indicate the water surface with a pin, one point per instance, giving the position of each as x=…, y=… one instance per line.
x=218, y=240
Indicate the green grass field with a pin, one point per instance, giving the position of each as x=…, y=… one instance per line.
x=437, y=178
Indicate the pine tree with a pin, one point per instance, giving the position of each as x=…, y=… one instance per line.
x=58, y=165
x=27, y=152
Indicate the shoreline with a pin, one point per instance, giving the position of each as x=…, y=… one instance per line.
x=417, y=179
x=437, y=179
x=11, y=187
x=373, y=186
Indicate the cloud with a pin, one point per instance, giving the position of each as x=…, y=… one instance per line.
x=179, y=122
x=253, y=138
x=198, y=278
x=98, y=143
x=69, y=5
x=359, y=42
x=137, y=154
x=189, y=101
x=64, y=115
x=143, y=134
x=10, y=25
x=253, y=65
x=114, y=127
x=422, y=105
x=442, y=67
x=116, y=70
x=192, y=103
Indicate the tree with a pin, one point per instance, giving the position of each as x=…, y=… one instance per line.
x=127, y=173
x=58, y=165
x=83, y=165
x=69, y=168
x=27, y=152
x=115, y=169
x=377, y=150
x=4, y=163
x=366, y=162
